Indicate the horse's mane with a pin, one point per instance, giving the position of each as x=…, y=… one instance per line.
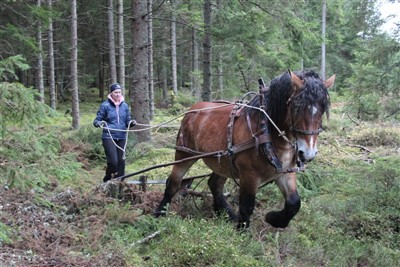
x=280, y=90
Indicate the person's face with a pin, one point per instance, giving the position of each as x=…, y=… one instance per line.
x=116, y=94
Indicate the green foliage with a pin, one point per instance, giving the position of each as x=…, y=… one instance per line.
x=25, y=150
x=367, y=106
x=190, y=243
x=184, y=98
x=25, y=144
x=5, y=234
x=9, y=65
x=24, y=44
x=19, y=107
x=146, y=155
x=89, y=139
x=352, y=220
x=373, y=86
x=382, y=136
x=375, y=218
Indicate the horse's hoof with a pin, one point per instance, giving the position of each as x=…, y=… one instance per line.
x=159, y=213
x=275, y=219
x=244, y=231
x=242, y=226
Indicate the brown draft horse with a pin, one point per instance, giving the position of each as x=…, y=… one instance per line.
x=295, y=103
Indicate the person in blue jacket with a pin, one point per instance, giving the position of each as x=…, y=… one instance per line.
x=114, y=117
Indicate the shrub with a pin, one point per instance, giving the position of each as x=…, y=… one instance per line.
x=384, y=136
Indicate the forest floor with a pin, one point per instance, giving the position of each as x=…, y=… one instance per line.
x=50, y=232
x=57, y=228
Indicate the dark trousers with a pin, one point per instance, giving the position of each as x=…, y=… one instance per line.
x=115, y=161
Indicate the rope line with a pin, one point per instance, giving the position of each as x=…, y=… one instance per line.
x=109, y=132
x=147, y=127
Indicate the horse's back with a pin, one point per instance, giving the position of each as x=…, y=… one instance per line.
x=204, y=106
x=204, y=127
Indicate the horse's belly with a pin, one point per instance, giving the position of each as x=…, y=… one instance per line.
x=221, y=166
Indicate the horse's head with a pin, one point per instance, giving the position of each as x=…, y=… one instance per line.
x=308, y=102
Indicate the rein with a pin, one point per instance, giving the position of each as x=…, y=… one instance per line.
x=117, y=146
x=258, y=138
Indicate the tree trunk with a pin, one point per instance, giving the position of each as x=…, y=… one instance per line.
x=173, y=49
x=220, y=70
x=220, y=76
x=39, y=74
x=121, y=43
x=60, y=78
x=111, y=41
x=139, y=93
x=206, y=96
x=52, y=80
x=195, y=84
x=323, y=40
x=74, y=66
x=164, y=66
x=102, y=75
x=150, y=55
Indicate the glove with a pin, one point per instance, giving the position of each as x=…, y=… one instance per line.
x=99, y=124
x=132, y=123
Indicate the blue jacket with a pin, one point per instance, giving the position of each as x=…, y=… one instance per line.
x=115, y=117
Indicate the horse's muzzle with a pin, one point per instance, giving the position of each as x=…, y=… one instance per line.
x=306, y=153
x=306, y=157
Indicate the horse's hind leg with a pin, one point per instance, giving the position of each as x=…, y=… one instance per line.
x=173, y=184
x=287, y=185
x=216, y=185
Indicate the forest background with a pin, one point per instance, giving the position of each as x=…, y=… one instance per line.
x=57, y=59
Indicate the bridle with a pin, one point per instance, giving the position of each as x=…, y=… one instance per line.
x=306, y=132
x=265, y=136
x=300, y=131
x=295, y=132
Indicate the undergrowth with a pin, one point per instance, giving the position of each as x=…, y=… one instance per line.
x=189, y=242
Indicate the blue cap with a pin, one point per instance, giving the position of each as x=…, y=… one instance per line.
x=115, y=86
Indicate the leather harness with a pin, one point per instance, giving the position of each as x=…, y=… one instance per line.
x=261, y=137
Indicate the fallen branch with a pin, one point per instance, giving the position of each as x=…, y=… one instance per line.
x=192, y=192
x=363, y=148
x=147, y=238
x=394, y=112
x=358, y=124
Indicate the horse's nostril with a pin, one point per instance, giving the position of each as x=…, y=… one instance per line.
x=305, y=157
x=301, y=156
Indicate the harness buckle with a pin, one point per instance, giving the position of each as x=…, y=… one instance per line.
x=230, y=151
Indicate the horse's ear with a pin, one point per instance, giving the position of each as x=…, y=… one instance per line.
x=329, y=83
x=296, y=81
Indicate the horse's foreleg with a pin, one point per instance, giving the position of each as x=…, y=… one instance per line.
x=287, y=185
x=247, y=200
x=216, y=184
x=173, y=185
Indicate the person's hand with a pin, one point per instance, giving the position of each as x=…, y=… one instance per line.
x=100, y=124
x=132, y=123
